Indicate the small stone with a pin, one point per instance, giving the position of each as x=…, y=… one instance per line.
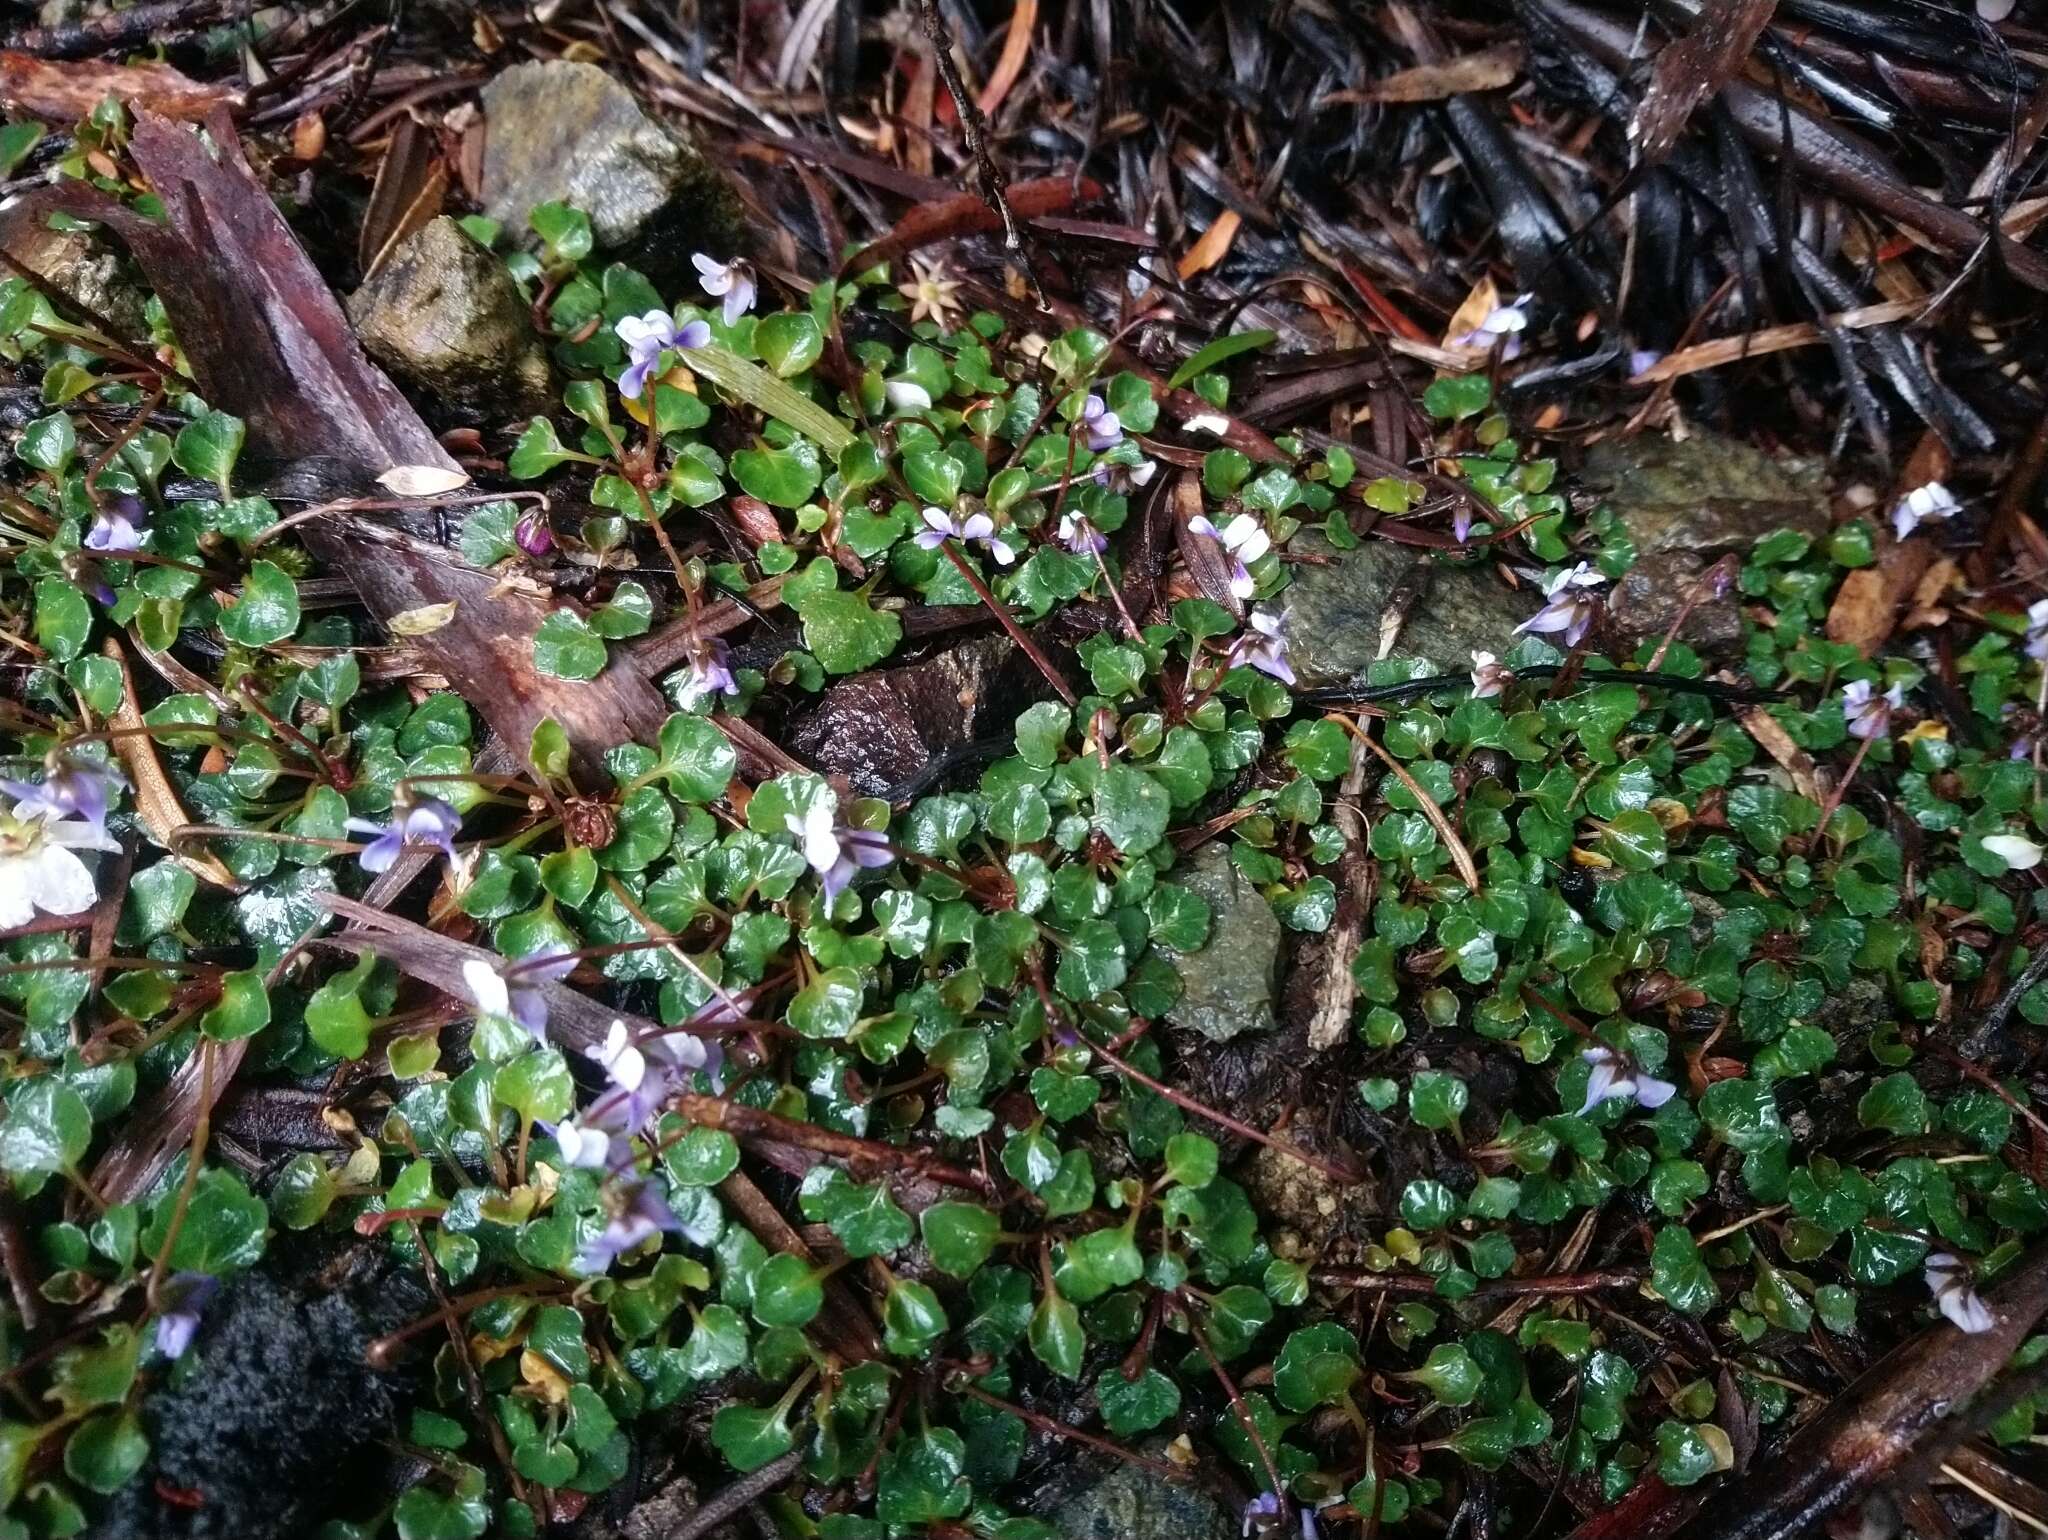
x=564, y=132
x=880, y=728
x=1226, y=986
x=87, y=272
x=1686, y=502
x=1335, y=609
x=1131, y=1503
x=445, y=316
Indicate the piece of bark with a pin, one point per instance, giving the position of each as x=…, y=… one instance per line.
x=64, y=92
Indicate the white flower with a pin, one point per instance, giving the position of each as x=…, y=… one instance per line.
x=1867, y=714
x=487, y=987
x=580, y=1146
x=1948, y=1280
x=1995, y=10
x=2037, y=630
x=1264, y=647
x=907, y=396
x=816, y=834
x=836, y=854
x=38, y=869
x=1931, y=500
x=734, y=279
x=1488, y=677
x=623, y=1062
x=1613, y=1076
x=1502, y=321
x=2019, y=854
x=1244, y=541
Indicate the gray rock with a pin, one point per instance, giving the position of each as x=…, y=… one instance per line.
x=565, y=132
x=444, y=315
x=1130, y=1503
x=85, y=271
x=1685, y=503
x=1226, y=986
x=1334, y=610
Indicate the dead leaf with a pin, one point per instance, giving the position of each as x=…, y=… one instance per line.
x=62, y=91
x=1479, y=304
x=1866, y=606
x=1487, y=70
x=156, y=801
x=422, y=621
x=1213, y=246
x=1772, y=738
x=1691, y=69
x=1206, y=562
x=1016, y=49
x=422, y=480
x=411, y=185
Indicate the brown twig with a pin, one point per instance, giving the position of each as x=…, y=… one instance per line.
x=744, y=1122
x=736, y=1496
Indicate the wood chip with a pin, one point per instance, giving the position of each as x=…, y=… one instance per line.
x=62, y=91
x=155, y=799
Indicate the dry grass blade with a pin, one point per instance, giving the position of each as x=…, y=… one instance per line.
x=1460, y=856
x=412, y=182
x=1774, y=339
x=156, y=800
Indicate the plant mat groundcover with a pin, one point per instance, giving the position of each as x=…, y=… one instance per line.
x=1167, y=847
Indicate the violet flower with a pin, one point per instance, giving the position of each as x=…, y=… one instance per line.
x=1100, y=424
x=1261, y=1514
x=1244, y=541
x=975, y=529
x=1264, y=647
x=1572, y=600
x=836, y=854
x=639, y=1216
x=423, y=821
x=646, y=337
x=1489, y=678
x=734, y=280
x=710, y=661
x=1508, y=321
x=1642, y=360
x=1081, y=537
x=2037, y=631
x=114, y=531
x=1948, y=1280
x=1867, y=714
x=533, y=534
x=1926, y=502
x=71, y=788
x=1115, y=476
x=188, y=1295
x=512, y=989
x=1614, y=1077
x=1461, y=522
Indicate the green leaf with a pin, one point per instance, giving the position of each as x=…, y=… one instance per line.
x=224, y=1230
x=1222, y=350
x=1317, y=1366
x=463, y=1513
x=106, y=1451
x=790, y=342
x=1678, y=1274
x=1896, y=1104
x=268, y=610
x=538, y=451
x=781, y=478
x=1436, y=1099
x=208, y=447
x=697, y=759
x=1133, y=1406
x=1131, y=808
x=762, y=390
x=844, y=632
x=48, y=1128
x=242, y=1010
x=1458, y=396
x=1056, y=1337
x=566, y=647
x=959, y=1236
x=63, y=618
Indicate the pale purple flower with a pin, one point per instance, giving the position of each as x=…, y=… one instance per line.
x=71, y=788
x=1489, y=678
x=1642, y=360
x=1948, y=1280
x=710, y=661
x=906, y=396
x=1261, y=1514
x=1508, y=321
x=533, y=534
x=2037, y=631
x=1081, y=537
x=1264, y=646
x=512, y=989
x=976, y=529
x=1928, y=501
x=114, y=531
x=1244, y=541
x=1116, y=476
x=1100, y=424
x=638, y=1215
x=1461, y=522
x=646, y=337
x=1995, y=10
x=734, y=280
x=187, y=1295
x=836, y=854
x=1613, y=1077
x=423, y=821
x=1866, y=713
x=1572, y=600
x=39, y=868
x=638, y=1089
